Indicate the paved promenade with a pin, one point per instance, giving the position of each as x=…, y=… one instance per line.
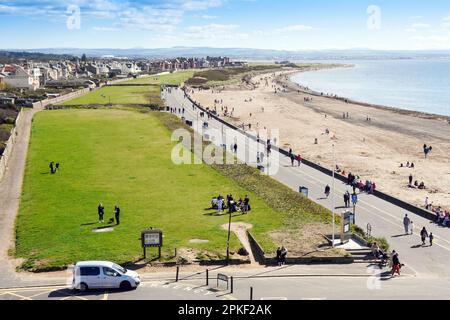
x=385, y=218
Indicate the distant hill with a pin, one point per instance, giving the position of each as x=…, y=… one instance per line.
x=243, y=53
x=14, y=56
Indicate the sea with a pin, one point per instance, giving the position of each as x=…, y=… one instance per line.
x=418, y=85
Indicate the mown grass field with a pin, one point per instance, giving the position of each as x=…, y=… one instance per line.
x=119, y=157
x=119, y=95
x=170, y=79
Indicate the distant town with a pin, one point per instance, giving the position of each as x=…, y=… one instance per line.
x=19, y=80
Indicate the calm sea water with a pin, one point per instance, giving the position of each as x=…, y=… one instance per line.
x=419, y=85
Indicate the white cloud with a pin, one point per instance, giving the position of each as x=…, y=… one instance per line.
x=214, y=32
x=208, y=17
x=294, y=28
x=446, y=22
x=194, y=5
x=104, y=29
x=420, y=26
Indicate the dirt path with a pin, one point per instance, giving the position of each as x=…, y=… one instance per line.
x=240, y=230
x=10, y=191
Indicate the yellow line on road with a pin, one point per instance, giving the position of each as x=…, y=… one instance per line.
x=19, y=296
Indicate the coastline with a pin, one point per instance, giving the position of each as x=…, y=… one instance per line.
x=293, y=85
x=372, y=149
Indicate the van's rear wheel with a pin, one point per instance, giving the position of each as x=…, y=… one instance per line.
x=125, y=285
x=83, y=287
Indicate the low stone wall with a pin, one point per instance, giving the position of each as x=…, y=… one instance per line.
x=4, y=160
x=42, y=104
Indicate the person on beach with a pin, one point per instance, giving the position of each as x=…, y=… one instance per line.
x=423, y=235
x=406, y=223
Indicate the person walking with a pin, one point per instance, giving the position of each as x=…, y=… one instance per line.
x=406, y=222
x=411, y=227
x=347, y=199
x=299, y=159
x=57, y=166
x=101, y=212
x=423, y=235
x=410, y=179
x=431, y=237
x=117, y=214
x=51, y=167
x=235, y=146
x=396, y=265
x=327, y=190
x=292, y=159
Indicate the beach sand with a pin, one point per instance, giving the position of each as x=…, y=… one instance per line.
x=373, y=150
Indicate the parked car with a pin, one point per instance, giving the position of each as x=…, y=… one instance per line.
x=103, y=274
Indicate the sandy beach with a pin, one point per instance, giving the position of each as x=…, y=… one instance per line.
x=371, y=149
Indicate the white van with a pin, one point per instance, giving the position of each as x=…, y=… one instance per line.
x=103, y=274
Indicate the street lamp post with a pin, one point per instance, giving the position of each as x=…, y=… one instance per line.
x=332, y=196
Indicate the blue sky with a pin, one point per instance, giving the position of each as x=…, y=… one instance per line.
x=266, y=24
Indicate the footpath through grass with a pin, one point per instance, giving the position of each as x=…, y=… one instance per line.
x=119, y=157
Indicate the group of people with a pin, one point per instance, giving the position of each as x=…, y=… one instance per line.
x=281, y=256
x=408, y=225
x=53, y=167
x=294, y=158
x=442, y=217
x=416, y=184
x=392, y=260
x=356, y=183
x=242, y=205
x=408, y=165
x=101, y=213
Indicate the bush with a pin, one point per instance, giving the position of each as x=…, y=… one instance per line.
x=10, y=120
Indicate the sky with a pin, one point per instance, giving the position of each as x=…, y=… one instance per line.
x=262, y=24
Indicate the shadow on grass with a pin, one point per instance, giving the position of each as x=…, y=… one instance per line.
x=88, y=224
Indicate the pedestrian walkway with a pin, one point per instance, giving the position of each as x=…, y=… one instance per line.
x=386, y=219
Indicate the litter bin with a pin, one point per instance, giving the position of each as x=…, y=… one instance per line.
x=304, y=190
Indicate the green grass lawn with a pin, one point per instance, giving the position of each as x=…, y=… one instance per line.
x=119, y=95
x=172, y=78
x=119, y=157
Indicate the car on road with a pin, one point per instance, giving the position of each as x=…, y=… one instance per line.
x=102, y=275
